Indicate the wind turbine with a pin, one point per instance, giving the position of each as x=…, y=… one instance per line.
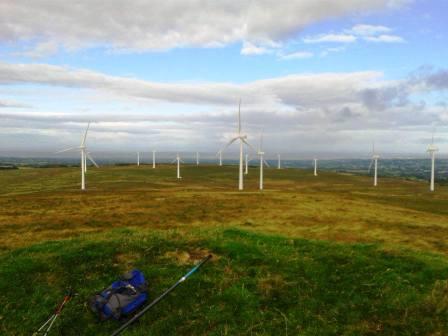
x=374, y=162
x=219, y=154
x=279, y=163
x=84, y=156
x=315, y=166
x=85, y=163
x=243, y=141
x=432, y=149
x=262, y=161
x=246, y=171
x=178, y=160
x=153, y=159
x=197, y=158
x=138, y=159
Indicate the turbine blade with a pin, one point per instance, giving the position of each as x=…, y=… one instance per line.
x=182, y=161
x=92, y=160
x=228, y=144
x=266, y=163
x=83, y=142
x=67, y=150
x=370, y=167
x=249, y=145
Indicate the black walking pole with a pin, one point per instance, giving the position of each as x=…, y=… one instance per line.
x=153, y=303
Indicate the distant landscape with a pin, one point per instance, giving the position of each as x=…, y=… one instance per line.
x=418, y=169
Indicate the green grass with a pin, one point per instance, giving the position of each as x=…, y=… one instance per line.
x=257, y=284
x=308, y=256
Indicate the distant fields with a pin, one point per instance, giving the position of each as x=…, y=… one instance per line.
x=326, y=255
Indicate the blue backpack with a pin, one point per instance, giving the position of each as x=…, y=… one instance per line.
x=122, y=297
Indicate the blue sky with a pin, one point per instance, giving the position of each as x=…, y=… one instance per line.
x=169, y=75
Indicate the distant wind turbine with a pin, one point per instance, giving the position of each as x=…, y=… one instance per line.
x=315, y=166
x=246, y=171
x=262, y=161
x=153, y=159
x=374, y=162
x=85, y=154
x=138, y=159
x=279, y=161
x=178, y=160
x=432, y=149
x=197, y=158
x=243, y=141
x=219, y=154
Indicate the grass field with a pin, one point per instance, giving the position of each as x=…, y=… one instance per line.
x=326, y=255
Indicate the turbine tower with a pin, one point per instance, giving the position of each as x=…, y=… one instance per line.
x=432, y=149
x=246, y=171
x=262, y=161
x=374, y=162
x=153, y=159
x=279, y=162
x=197, y=158
x=219, y=154
x=138, y=159
x=315, y=166
x=243, y=141
x=178, y=160
x=85, y=154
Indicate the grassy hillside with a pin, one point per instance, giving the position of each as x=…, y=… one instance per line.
x=326, y=255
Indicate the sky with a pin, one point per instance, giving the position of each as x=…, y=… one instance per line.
x=314, y=76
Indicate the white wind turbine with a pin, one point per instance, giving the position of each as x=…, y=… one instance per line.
x=153, y=159
x=246, y=162
x=315, y=166
x=178, y=160
x=219, y=154
x=197, y=158
x=262, y=161
x=279, y=161
x=432, y=149
x=138, y=159
x=243, y=141
x=374, y=162
x=84, y=156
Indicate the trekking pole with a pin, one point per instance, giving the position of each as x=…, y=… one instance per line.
x=153, y=303
x=55, y=315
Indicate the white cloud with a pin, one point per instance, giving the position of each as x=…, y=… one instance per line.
x=158, y=25
x=40, y=50
x=369, y=30
x=328, y=51
x=249, y=49
x=332, y=38
x=293, y=89
x=297, y=55
x=385, y=39
x=335, y=106
x=369, y=33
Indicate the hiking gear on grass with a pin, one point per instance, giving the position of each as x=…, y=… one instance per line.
x=52, y=318
x=122, y=297
x=153, y=303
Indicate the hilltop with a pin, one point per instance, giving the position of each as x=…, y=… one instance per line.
x=326, y=255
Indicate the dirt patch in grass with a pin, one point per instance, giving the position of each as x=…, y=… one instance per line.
x=182, y=257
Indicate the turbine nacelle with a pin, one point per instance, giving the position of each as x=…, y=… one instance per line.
x=432, y=148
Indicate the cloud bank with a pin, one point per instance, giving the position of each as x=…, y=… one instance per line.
x=140, y=25
x=335, y=107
